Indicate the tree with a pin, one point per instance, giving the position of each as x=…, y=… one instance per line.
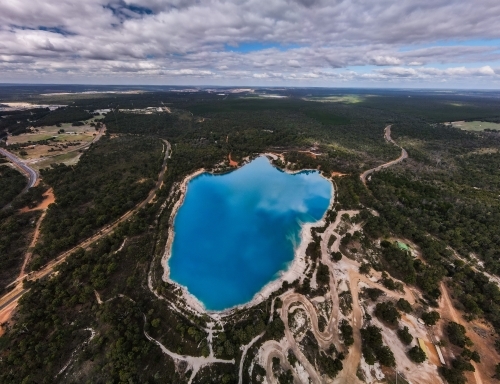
x=364, y=268
x=430, y=318
x=346, y=333
x=373, y=347
x=456, y=334
x=323, y=274
x=453, y=375
x=467, y=354
x=155, y=323
x=336, y=256
x=387, y=312
x=417, y=355
x=403, y=305
x=462, y=364
x=385, y=356
x=405, y=335
x=374, y=293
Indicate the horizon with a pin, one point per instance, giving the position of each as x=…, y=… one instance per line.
x=237, y=86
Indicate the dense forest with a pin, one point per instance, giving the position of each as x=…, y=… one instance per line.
x=112, y=176
x=12, y=182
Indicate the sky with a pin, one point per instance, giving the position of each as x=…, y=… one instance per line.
x=326, y=43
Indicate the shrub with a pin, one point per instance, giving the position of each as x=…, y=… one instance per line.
x=346, y=333
x=405, y=336
x=373, y=293
x=387, y=312
x=416, y=354
x=336, y=256
x=364, y=268
x=430, y=318
x=404, y=305
x=456, y=334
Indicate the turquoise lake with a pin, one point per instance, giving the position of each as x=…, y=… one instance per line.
x=236, y=232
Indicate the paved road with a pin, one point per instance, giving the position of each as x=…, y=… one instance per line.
x=404, y=155
x=29, y=172
x=18, y=291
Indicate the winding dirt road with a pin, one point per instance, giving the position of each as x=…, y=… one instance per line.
x=404, y=155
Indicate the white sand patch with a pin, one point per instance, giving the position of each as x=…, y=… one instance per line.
x=301, y=373
x=377, y=371
x=343, y=286
x=318, y=299
x=362, y=284
x=314, y=283
x=299, y=320
x=366, y=370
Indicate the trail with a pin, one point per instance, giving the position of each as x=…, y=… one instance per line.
x=350, y=364
x=18, y=291
x=404, y=155
x=194, y=362
x=28, y=255
x=330, y=335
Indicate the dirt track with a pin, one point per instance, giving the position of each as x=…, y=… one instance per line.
x=404, y=155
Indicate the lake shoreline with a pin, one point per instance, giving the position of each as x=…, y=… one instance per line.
x=294, y=270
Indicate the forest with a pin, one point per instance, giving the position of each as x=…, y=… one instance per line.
x=112, y=176
x=448, y=186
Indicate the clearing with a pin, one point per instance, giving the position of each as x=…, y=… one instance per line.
x=477, y=126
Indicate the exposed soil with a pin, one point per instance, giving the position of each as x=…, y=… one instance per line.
x=6, y=314
x=232, y=163
x=338, y=174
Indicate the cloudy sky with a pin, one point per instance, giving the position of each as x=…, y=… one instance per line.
x=339, y=43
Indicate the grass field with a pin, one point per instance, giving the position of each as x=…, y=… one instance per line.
x=475, y=125
x=62, y=147
x=82, y=133
x=66, y=158
x=347, y=99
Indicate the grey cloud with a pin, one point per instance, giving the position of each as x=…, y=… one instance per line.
x=188, y=38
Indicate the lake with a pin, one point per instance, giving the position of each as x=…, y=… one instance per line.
x=236, y=232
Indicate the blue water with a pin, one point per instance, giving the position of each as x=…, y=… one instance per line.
x=234, y=233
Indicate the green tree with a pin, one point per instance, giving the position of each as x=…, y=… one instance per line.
x=404, y=305
x=430, y=318
x=417, y=355
x=405, y=335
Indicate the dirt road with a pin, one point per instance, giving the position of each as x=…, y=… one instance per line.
x=404, y=155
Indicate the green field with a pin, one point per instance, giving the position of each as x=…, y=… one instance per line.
x=475, y=125
x=347, y=99
x=70, y=158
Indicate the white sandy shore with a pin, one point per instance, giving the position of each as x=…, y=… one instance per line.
x=293, y=272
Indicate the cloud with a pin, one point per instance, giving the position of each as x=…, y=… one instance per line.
x=306, y=40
